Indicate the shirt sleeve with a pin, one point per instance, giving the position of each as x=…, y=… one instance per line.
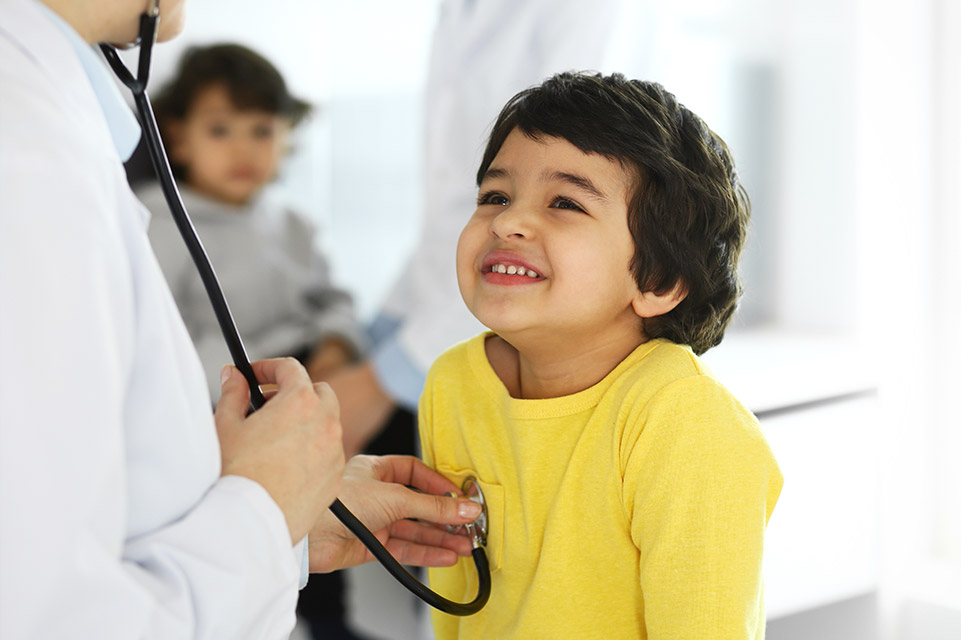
x=401, y=378
x=166, y=241
x=312, y=309
x=425, y=426
x=331, y=308
x=700, y=483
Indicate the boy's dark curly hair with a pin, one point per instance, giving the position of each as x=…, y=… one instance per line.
x=252, y=83
x=688, y=212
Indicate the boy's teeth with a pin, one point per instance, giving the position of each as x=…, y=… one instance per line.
x=513, y=270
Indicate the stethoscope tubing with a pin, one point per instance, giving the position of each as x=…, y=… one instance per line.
x=158, y=157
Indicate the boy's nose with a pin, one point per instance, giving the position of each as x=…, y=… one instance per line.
x=242, y=144
x=514, y=221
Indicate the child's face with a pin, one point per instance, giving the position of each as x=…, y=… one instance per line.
x=557, y=218
x=229, y=154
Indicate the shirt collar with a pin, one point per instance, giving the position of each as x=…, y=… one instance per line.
x=123, y=125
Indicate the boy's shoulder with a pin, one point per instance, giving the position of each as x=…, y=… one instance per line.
x=675, y=399
x=660, y=362
x=652, y=365
x=670, y=372
x=459, y=356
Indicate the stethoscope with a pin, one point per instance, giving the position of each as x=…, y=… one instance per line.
x=477, y=530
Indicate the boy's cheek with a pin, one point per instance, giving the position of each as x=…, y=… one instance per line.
x=467, y=248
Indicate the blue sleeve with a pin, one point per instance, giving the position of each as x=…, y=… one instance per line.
x=398, y=375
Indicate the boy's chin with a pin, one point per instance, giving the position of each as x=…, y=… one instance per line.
x=518, y=338
x=501, y=328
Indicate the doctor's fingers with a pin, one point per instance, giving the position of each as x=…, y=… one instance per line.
x=403, y=503
x=419, y=545
x=235, y=392
x=234, y=396
x=281, y=374
x=392, y=478
x=301, y=422
x=411, y=472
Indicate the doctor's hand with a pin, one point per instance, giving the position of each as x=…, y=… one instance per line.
x=291, y=446
x=375, y=489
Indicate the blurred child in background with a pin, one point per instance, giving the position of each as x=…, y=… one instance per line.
x=226, y=120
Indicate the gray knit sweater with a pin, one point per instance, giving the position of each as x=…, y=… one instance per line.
x=276, y=281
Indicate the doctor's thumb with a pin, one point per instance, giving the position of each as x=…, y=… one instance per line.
x=234, y=393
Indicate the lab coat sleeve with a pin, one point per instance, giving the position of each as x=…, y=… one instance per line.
x=401, y=379
x=700, y=484
x=222, y=568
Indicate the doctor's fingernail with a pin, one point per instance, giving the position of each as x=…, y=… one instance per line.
x=224, y=375
x=468, y=509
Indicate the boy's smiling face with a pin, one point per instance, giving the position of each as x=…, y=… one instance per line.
x=555, y=219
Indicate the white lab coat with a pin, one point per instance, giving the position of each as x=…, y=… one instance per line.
x=113, y=522
x=484, y=52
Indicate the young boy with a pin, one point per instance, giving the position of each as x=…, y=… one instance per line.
x=226, y=118
x=628, y=491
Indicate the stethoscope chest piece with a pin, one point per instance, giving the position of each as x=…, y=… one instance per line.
x=478, y=528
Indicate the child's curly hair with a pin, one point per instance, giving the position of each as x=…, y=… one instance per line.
x=251, y=81
x=688, y=212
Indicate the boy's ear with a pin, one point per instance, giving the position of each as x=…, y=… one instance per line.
x=648, y=304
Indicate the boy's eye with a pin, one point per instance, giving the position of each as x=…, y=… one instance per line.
x=218, y=130
x=564, y=203
x=263, y=131
x=493, y=198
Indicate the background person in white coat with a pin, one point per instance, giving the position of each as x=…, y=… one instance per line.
x=121, y=515
x=483, y=52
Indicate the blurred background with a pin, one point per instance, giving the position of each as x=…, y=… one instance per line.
x=843, y=118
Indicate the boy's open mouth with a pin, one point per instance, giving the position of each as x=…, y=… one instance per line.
x=511, y=270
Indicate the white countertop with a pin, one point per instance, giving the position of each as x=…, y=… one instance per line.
x=773, y=369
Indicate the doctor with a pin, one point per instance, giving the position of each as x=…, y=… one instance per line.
x=122, y=513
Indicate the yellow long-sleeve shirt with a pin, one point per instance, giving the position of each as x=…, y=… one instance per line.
x=633, y=509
